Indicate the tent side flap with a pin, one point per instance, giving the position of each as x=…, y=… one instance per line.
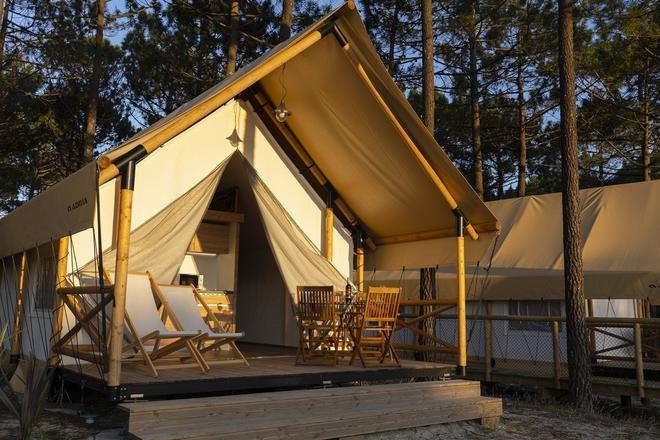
x=66, y=208
x=298, y=260
x=160, y=244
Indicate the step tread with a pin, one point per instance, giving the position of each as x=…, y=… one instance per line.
x=205, y=402
x=256, y=422
x=303, y=407
x=421, y=413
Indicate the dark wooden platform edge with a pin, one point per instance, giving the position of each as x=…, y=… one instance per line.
x=218, y=386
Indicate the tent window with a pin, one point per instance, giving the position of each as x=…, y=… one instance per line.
x=533, y=308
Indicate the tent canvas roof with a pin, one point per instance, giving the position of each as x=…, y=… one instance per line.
x=340, y=125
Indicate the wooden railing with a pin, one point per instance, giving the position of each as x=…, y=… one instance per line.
x=412, y=322
x=644, y=347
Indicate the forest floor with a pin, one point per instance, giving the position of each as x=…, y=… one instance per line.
x=524, y=418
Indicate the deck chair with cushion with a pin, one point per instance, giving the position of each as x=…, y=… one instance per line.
x=150, y=339
x=181, y=306
x=317, y=316
x=372, y=333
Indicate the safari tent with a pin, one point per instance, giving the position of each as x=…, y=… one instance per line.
x=521, y=274
x=253, y=200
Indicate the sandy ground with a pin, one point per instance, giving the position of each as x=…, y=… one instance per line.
x=523, y=419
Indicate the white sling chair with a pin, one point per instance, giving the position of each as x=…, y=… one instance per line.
x=181, y=305
x=145, y=325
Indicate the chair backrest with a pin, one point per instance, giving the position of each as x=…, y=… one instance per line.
x=181, y=300
x=317, y=303
x=141, y=306
x=382, y=304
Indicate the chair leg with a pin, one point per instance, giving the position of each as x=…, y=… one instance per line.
x=197, y=356
x=238, y=352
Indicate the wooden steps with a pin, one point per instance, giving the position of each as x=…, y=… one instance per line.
x=316, y=413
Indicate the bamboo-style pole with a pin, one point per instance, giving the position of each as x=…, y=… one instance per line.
x=460, y=299
x=488, y=343
x=412, y=146
x=556, y=359
x=639, y=362
x=359, y=262
x=60, y=281
x=15, y=350
x=328, y=221
x=121, y=275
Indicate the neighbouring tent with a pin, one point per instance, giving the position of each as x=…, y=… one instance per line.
x=620, y=247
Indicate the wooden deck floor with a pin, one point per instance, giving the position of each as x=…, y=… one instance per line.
x=270, y=368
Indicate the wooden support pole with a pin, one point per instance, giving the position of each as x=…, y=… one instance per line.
x=60, y=281
x=488, y=343
x=328, y=229
x=15, y=350
x=410, y=143
x=556, y=359
x=121, y=275
x=461, y=324
x=360, y=268
x=639, y=362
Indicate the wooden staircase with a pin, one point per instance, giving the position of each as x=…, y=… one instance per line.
x=316, y=413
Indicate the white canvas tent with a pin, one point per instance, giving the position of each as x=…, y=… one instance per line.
x=352, y=130
x=620, y=255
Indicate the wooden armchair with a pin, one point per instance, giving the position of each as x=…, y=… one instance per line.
x=317, y=317
x=372, y=332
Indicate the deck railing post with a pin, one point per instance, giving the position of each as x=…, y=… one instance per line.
x=639, y=362
x=488, y=343
x=60, y=281
x=15, y=349
x=592, y=332
x=556, y=355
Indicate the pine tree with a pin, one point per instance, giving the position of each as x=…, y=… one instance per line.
x=579, y=366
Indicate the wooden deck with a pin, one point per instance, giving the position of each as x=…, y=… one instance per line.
x=271, y=368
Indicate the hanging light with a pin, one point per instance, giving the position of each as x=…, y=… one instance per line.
x=281, y=112
x=234, y=138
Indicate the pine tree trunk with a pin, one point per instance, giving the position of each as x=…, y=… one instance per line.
x=286, y=20
x=474, y=108
x=428, y=71
x=94, y=84
x=522, y=131
x=644, y=104
x=579, y=368
x=427, y=291
x=232, y=50
x=394, y=29
x=5, y=8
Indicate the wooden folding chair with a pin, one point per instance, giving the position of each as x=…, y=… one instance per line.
x=318, y=323
x=372, y=332
x=145, y=325
x=180, y=304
